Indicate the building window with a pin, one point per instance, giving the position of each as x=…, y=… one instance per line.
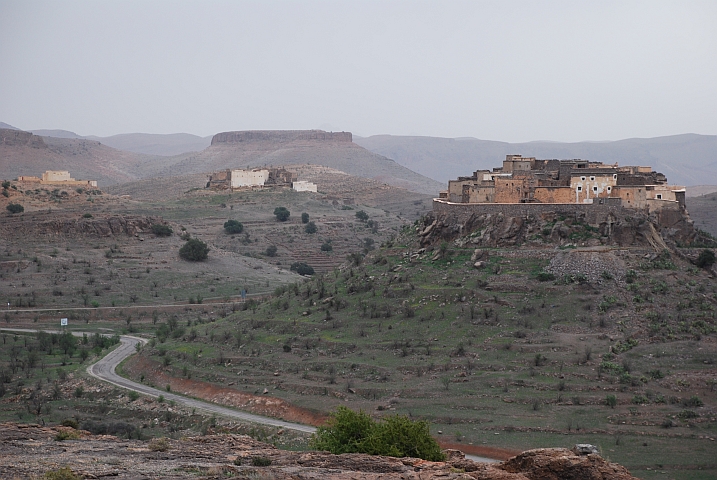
x=609, y=189
x=582, y=178
x=614, y=176
x=592, y=179
x=595, y=189
x=659, y=196
x=580, y=189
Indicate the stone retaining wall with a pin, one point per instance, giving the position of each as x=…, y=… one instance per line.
x=594, y=214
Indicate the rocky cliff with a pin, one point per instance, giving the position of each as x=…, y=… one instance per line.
x=281, y=136
x=493, y=225
x=30, y=451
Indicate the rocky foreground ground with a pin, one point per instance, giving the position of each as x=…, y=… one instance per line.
x=31, y=451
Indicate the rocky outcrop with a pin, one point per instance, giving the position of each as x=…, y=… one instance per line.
x=544, y=227
x=18, y=137
x=29, y=451
x=280, y=136
x=111, y=225
x=563, y=464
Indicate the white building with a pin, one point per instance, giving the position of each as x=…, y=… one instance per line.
x=249, y=178
x=304, y=186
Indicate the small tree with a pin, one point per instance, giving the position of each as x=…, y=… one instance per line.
x=233, y=226
x=326, y=247
x=304, y=217
x=302, y=268
x=271, y=251
x=15, y=208
x=361, y=215
x=282, y=214
x=194, y=250
x=161, y=230
x=310, y=228
x=706, y=258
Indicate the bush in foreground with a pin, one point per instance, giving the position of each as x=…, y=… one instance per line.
x=194, y=250
x=396, y=436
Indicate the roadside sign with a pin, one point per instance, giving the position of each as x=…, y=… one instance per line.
x=63, y=322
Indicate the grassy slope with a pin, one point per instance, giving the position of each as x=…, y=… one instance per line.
x=497, y=359
x=435, y=339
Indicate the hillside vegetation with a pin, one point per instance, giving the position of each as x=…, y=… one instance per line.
x=509, y=354
x=509, y=346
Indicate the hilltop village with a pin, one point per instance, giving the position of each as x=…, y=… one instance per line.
x=528, y=180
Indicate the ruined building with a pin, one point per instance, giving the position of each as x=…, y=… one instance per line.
x=251, y=178
x=528, y=180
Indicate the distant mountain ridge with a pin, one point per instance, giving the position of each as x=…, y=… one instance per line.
x=24, y=153
x=421, y=164
x=688, y=159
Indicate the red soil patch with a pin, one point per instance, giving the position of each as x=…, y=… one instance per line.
x=268, y=406
x=488, y=452
x=257, y=404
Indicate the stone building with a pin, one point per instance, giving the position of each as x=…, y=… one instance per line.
x=57, y=177
x=250, y=178
x=304, y=186
x=529, y=180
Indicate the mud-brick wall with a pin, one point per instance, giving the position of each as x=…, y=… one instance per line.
x=594, y=214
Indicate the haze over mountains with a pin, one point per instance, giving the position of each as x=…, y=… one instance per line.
x=24, y=153
x=688, y=159
x=421, y=164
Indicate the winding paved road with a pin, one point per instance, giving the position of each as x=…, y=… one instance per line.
x=104, y=369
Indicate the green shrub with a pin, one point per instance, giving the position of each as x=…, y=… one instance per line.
x=87, y=215
x=133, y=396
x=161, y=230
x=545, y=277
x=282, y=214
x=693, y=401
x=66, y=435
x=70, y=422
x=233, y=226
x=361, y=215
x=160, y=444
x=260, y=461
x=302, y=268
x=311, y=228
x=304, y=217
x=271, y=251
x=194, y=250
x=63, y=473
x=15, y=208
x=396, y=436
x=326, y=247
x=706, y=259
x=611, y=401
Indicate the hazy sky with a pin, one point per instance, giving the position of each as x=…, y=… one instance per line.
x=504, y=70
